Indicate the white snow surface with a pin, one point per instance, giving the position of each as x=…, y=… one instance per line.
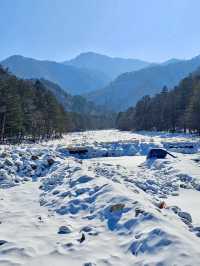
x=107, y=207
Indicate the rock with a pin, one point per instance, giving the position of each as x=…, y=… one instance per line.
x=186, y=216
x=3, y=174
x=82, y=238
x=34, y=166
x=198, y=234
x=40, y=218
x=64, y=230
x=86, y=229
x=93, y=233
x=189, y=224
x=55, y=192
x=69, y=245
x=196, y=185
x=18, y=163
x=8, y=162
x=50, y=161
x=64, y=194
x=2, y=242
x=162, y=205
x=196, y=229
x=42, y=202
x=175, y=209
x=117, y=207
x=1, y=164
x=138, y=211
x=4, y=154
x=34, y=157
x=175, y=193
x=185, y=178
x=185, y=186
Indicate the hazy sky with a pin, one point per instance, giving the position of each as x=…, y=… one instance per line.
x=153, y=30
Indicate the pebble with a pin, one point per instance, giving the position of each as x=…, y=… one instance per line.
x=64, y=230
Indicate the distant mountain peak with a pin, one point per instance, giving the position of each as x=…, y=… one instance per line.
x=172, y=61
x=110, y=66
x=90, y=53
x=15, y=57
x=128, y=88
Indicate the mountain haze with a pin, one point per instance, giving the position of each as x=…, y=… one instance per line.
x=72, y=79
x=72, y=103
x=128, y=88
x=110, y=66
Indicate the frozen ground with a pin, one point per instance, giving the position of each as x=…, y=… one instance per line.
x=109, y=206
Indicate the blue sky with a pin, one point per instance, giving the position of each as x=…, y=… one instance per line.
x=153, y=30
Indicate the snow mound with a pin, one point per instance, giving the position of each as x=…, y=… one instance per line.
x=107, y=207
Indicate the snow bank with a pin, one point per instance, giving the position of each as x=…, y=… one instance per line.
x=101, y=203
x=101, y=209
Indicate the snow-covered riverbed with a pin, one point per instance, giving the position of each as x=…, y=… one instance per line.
x=59, y=210
x=129, y=162
x=189, y=201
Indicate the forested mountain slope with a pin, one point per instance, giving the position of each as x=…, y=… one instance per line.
x=174, y=110
x=128, y=88
x=28, y=109
x=72, y=103
x=31, y=109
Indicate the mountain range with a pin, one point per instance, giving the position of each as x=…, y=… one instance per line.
x=128, y=88
x=85, y=73
x=114, y=83
x=110, y=66
x=71, y=79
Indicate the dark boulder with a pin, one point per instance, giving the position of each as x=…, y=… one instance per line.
x=158, y=154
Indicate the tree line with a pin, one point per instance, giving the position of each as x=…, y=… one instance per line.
x=29, y=111
x=171, y=110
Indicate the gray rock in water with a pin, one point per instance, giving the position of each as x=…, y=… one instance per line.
x=64, y=230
